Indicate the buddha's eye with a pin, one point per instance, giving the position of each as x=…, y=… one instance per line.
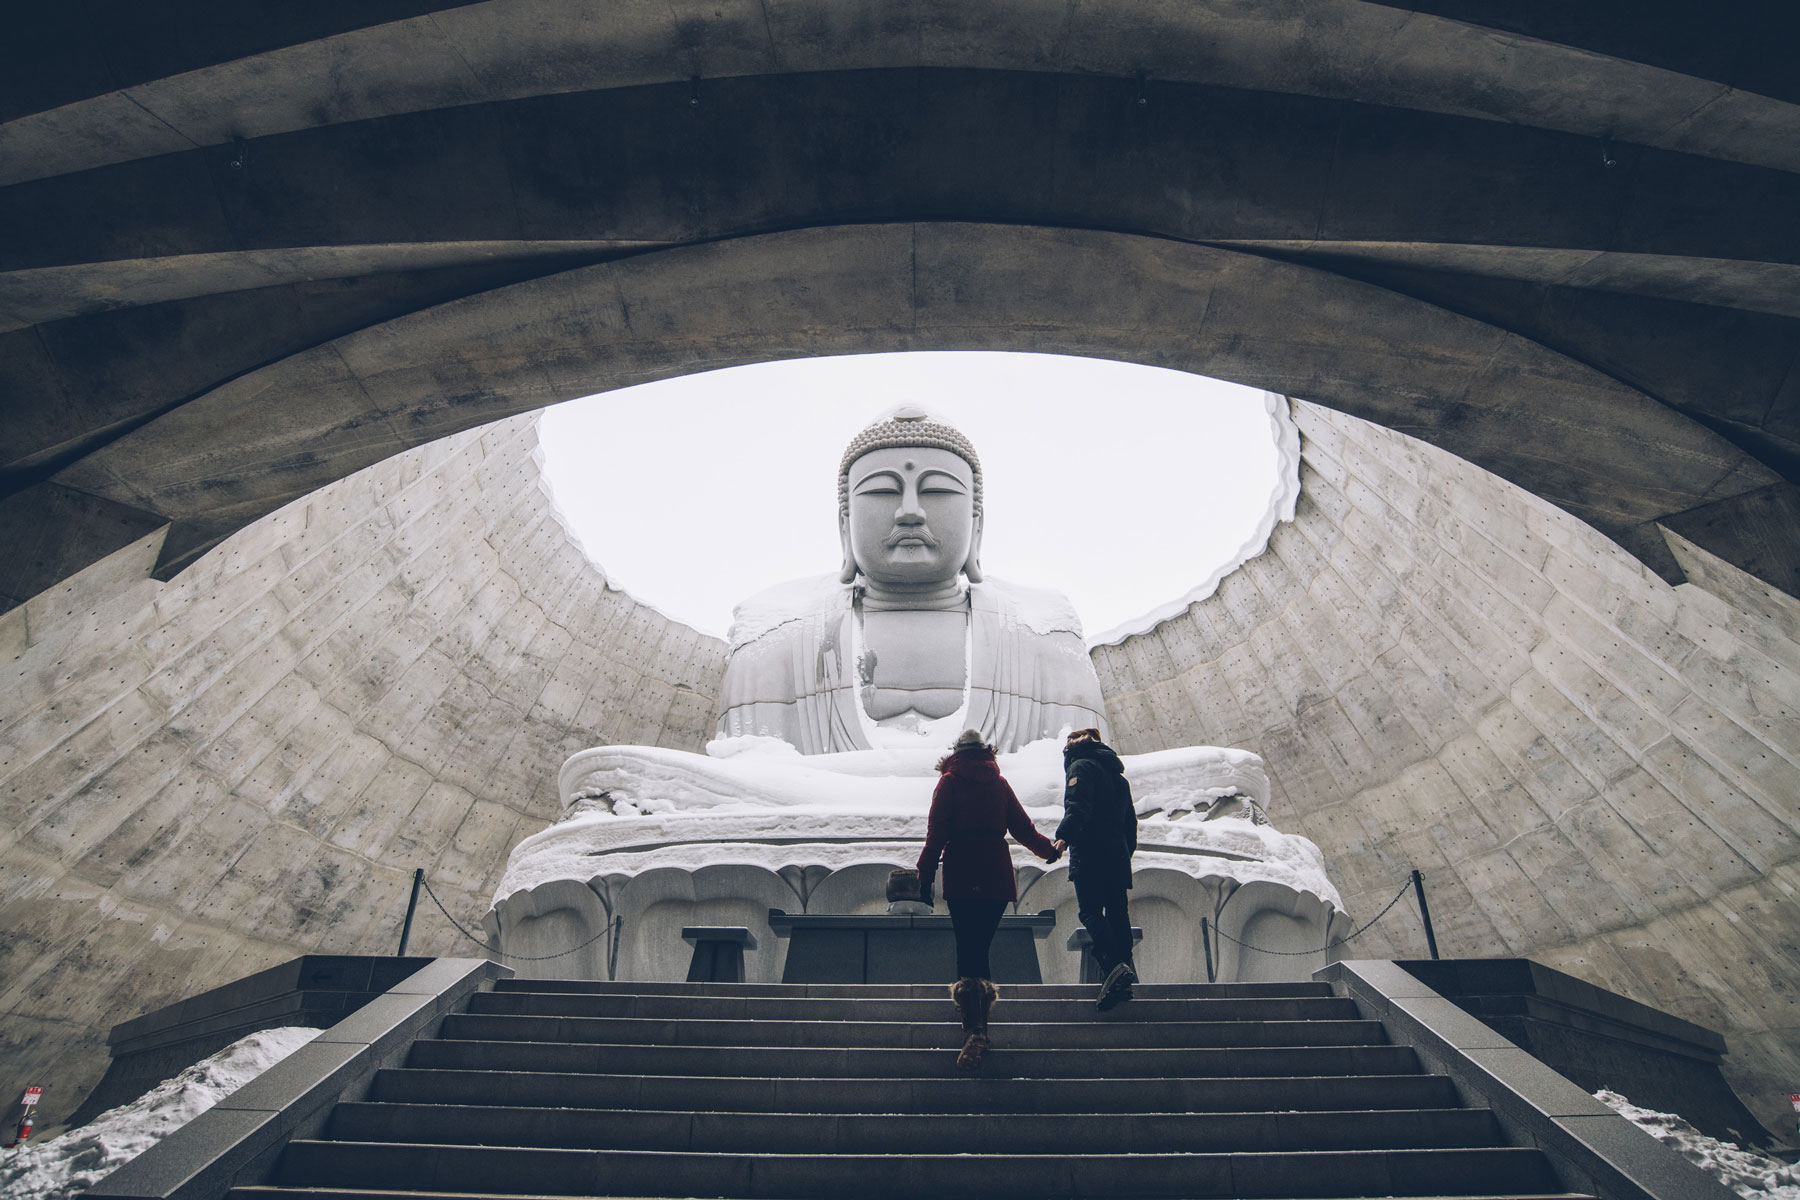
x=937, y=483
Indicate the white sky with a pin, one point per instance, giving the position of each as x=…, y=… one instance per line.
x=1120, y=485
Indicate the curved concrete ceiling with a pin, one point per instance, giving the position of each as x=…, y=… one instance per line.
x=246, y=256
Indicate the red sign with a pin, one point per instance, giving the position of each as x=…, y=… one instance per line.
x=1794, y=1099
x=32, y=1094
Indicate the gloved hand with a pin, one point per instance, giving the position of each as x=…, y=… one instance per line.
x=925, y=883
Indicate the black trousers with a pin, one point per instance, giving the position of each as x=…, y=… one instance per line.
x=1106, y=914
x=974, y=922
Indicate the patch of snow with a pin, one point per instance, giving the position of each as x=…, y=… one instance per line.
x=1745, y=1172
x=757, y=801
x=747, y=773
x=776, y=606
x=71, y=1163
x=1042, y=610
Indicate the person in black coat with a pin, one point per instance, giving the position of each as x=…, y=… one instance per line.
x=1099, y=828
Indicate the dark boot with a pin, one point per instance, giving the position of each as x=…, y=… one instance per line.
x=975, y=997
x=1117, y=988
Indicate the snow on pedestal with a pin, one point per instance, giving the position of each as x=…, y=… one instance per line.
x=652, y=840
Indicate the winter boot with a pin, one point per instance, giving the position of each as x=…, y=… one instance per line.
x=976, y=999
x=1117, y=988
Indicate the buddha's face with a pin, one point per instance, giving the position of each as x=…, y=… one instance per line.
x=912, y=515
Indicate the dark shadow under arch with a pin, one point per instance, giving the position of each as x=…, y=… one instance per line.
x=1574, y=436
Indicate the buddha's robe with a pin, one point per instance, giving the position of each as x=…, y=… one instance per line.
x=792, y=670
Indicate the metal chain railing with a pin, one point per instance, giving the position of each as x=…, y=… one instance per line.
x=497, y=950
x=1367, y=925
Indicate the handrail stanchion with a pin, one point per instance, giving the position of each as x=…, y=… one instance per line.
x=411, y=905
x=1425, y=912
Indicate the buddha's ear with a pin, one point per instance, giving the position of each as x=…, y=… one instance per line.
x=847, y=572
x=972, y=567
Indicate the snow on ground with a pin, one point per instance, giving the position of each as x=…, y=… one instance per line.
x=67, y=1165
x=1749, y=1174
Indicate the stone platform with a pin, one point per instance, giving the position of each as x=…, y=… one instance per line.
x=879, y=948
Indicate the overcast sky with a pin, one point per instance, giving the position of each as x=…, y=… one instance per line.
x=1122, y=486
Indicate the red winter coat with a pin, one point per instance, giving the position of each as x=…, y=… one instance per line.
x=972, y=811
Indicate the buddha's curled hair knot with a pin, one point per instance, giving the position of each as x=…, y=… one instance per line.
x=907, y=427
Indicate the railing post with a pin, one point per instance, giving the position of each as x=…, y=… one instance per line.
x=1206, y=946
x=412, y=904
x=1425, y=912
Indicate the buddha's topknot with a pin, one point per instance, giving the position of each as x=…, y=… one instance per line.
x=907, y=427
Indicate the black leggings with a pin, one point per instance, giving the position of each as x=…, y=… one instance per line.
x=974, y=922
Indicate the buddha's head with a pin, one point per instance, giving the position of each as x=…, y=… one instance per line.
x=909, y=503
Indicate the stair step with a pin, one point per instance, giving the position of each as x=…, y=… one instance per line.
x=666, y=1006
x=911, y=991
x=1168, y=1093
x=269, y=1192
x=812, y=1061
x=1327, y=1173
x=818, y=1133
x=938, y=1034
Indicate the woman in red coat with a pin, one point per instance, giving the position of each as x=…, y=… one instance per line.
x=972, y=811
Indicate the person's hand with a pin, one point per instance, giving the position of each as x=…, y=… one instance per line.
x=1056, y=850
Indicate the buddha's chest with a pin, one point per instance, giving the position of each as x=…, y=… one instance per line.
x=912, y=661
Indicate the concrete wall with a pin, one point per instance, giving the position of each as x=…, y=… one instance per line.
x=1591, y=768
x=211, y=775
x=205, y=777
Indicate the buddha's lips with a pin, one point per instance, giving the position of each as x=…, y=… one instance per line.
x=914, y=533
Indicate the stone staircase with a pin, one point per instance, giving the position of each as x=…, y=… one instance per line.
x=572, y=1088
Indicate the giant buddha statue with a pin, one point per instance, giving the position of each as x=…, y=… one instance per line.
x=908, y=642
x=840, y=693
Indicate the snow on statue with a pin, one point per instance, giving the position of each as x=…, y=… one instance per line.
x=839, y=695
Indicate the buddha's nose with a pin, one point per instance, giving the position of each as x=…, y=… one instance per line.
x=911, y=512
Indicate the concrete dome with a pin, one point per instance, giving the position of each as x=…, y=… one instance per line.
x=268, y=265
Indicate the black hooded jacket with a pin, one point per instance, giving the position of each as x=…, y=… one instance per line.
x=1099, y=822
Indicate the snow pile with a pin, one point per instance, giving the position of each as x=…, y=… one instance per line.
x=67, y=1165
x=746, y=773
x=1749, y=1174
x=758, y=802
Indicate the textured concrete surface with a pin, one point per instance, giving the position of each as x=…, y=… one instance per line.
x=248, y=256
x=207, y=776
x=221, y=230
x=204, y=777
x=1592, y=768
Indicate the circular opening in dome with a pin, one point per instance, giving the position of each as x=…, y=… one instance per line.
x=1129, y=488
